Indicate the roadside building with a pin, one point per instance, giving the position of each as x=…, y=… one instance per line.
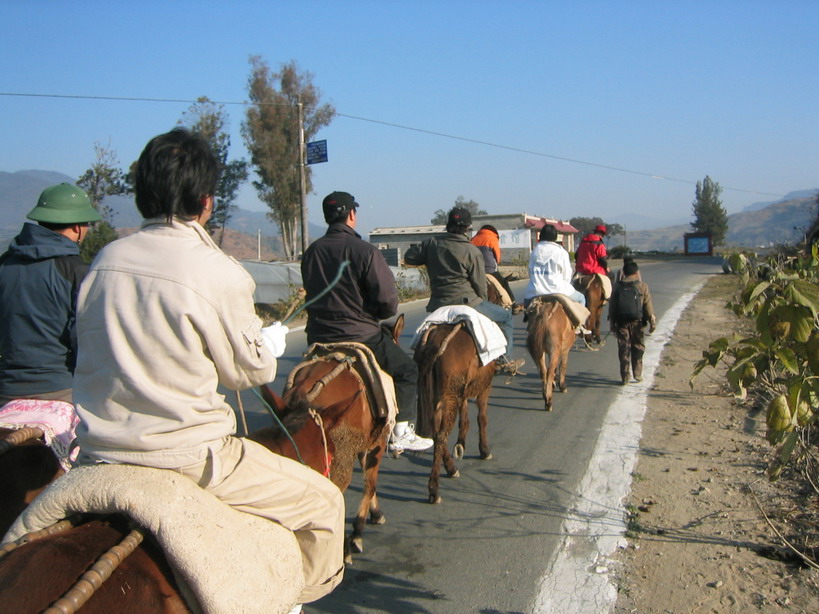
x=518, y=235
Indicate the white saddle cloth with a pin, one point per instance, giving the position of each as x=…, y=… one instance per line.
x=488, y=336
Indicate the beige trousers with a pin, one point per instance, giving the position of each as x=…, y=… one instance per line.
x=251, y=478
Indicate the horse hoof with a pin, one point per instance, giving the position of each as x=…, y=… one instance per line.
x=435, y=499
x=356, y=544
x=348, y=560
x=455, y=474
x=458, y=451
x=378, y=519
x=563, y=389
x=487, y=456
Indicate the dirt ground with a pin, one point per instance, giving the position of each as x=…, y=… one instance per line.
x=698, y=538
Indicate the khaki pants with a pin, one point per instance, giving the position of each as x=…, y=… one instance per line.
x=251, y=478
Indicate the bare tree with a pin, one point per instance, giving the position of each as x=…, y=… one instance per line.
x=271, y=132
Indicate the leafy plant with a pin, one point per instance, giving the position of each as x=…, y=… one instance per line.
x=780, y=360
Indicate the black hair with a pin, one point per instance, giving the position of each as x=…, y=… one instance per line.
x=490, y=228
x=630, y=268
x=174, y=172
x=547, y=233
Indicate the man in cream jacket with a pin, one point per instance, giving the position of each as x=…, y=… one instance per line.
x=165, y=317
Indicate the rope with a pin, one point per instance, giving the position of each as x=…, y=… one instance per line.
x=344, y=264
x=92, y=579
x=317, y=417
x=279, y=422
x=242, y=412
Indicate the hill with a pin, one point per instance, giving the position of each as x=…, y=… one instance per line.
x=19, y=192
x=777, y=223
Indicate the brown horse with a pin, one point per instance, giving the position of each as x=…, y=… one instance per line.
x=592, y=288
x=550, y=336
x=352, y=429
x=450, y=373
x=27, y=466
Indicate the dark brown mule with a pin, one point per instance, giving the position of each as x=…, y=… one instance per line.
x=352, y=430
x=450, y=373
x=27, y=466
x=550, y=336
x=592, y=288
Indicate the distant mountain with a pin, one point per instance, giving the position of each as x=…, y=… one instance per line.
x=19, y=192
x=780, y=222
x=787, y=197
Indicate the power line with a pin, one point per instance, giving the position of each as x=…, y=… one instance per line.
x=393, y=125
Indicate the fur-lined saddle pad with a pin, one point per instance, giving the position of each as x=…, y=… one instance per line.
x=230, y=561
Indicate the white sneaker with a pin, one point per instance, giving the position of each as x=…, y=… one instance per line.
x=409, y=440
x=582, y=330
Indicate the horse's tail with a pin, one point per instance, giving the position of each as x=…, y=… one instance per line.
x=425, y=357
x=538, y=327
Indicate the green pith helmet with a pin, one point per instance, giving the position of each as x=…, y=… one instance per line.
x=64, y=204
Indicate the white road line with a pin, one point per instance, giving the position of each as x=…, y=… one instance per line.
x=576, y=580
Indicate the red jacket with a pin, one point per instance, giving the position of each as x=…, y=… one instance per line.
x=591, y=256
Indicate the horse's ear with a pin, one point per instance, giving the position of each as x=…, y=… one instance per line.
x=272, y=399
x=398, y=328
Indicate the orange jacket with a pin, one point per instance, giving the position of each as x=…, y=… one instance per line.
x=487, y=241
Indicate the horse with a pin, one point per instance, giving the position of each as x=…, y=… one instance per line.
x=27, y=466
x=352, y=429
x=549, y=333
x=592, y=288
x=450, y=373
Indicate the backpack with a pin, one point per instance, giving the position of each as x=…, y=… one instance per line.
x=627, y=302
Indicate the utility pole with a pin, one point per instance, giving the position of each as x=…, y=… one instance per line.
x=303, y=178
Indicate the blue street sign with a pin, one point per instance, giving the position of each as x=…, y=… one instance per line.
x=316, y=152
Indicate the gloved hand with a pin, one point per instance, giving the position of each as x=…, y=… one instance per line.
x=275, y=338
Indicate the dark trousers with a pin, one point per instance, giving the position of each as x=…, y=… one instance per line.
x=403, y=370
x=630, y=348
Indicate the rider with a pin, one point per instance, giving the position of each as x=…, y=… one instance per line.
x=164, y=318
x=365, y=294
x=591, y=255
x=457, y=277
x=550, y=270
x=40, y=277
x=487, y=239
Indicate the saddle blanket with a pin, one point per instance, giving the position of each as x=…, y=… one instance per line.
x=577, y=313
x=228, y=560
x=488, y=336
x=57, y=419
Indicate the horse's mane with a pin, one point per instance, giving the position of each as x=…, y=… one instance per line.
x=297, y=414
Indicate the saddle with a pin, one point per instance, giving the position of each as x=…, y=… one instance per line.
x=505, y=299
x=362, y=363
x=576, y=312
x=582, y=285
x=224, y=560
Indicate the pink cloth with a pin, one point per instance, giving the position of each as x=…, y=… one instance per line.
x=57, y=419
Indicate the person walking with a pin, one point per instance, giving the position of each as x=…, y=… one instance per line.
x=164, y=317
x=40, y=278
x=630, y=310
x=457, y=277
x=365, y=294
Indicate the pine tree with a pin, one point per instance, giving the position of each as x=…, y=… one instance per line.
x=710, y=216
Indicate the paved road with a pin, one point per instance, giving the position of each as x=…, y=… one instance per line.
x=487, y=547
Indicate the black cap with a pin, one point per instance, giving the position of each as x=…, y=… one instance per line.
x=459, y=216
x=337, y=203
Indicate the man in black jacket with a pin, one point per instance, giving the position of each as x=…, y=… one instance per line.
x=40, y=277
x=365, y=294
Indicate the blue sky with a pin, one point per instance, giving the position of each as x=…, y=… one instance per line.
x=559, y=109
